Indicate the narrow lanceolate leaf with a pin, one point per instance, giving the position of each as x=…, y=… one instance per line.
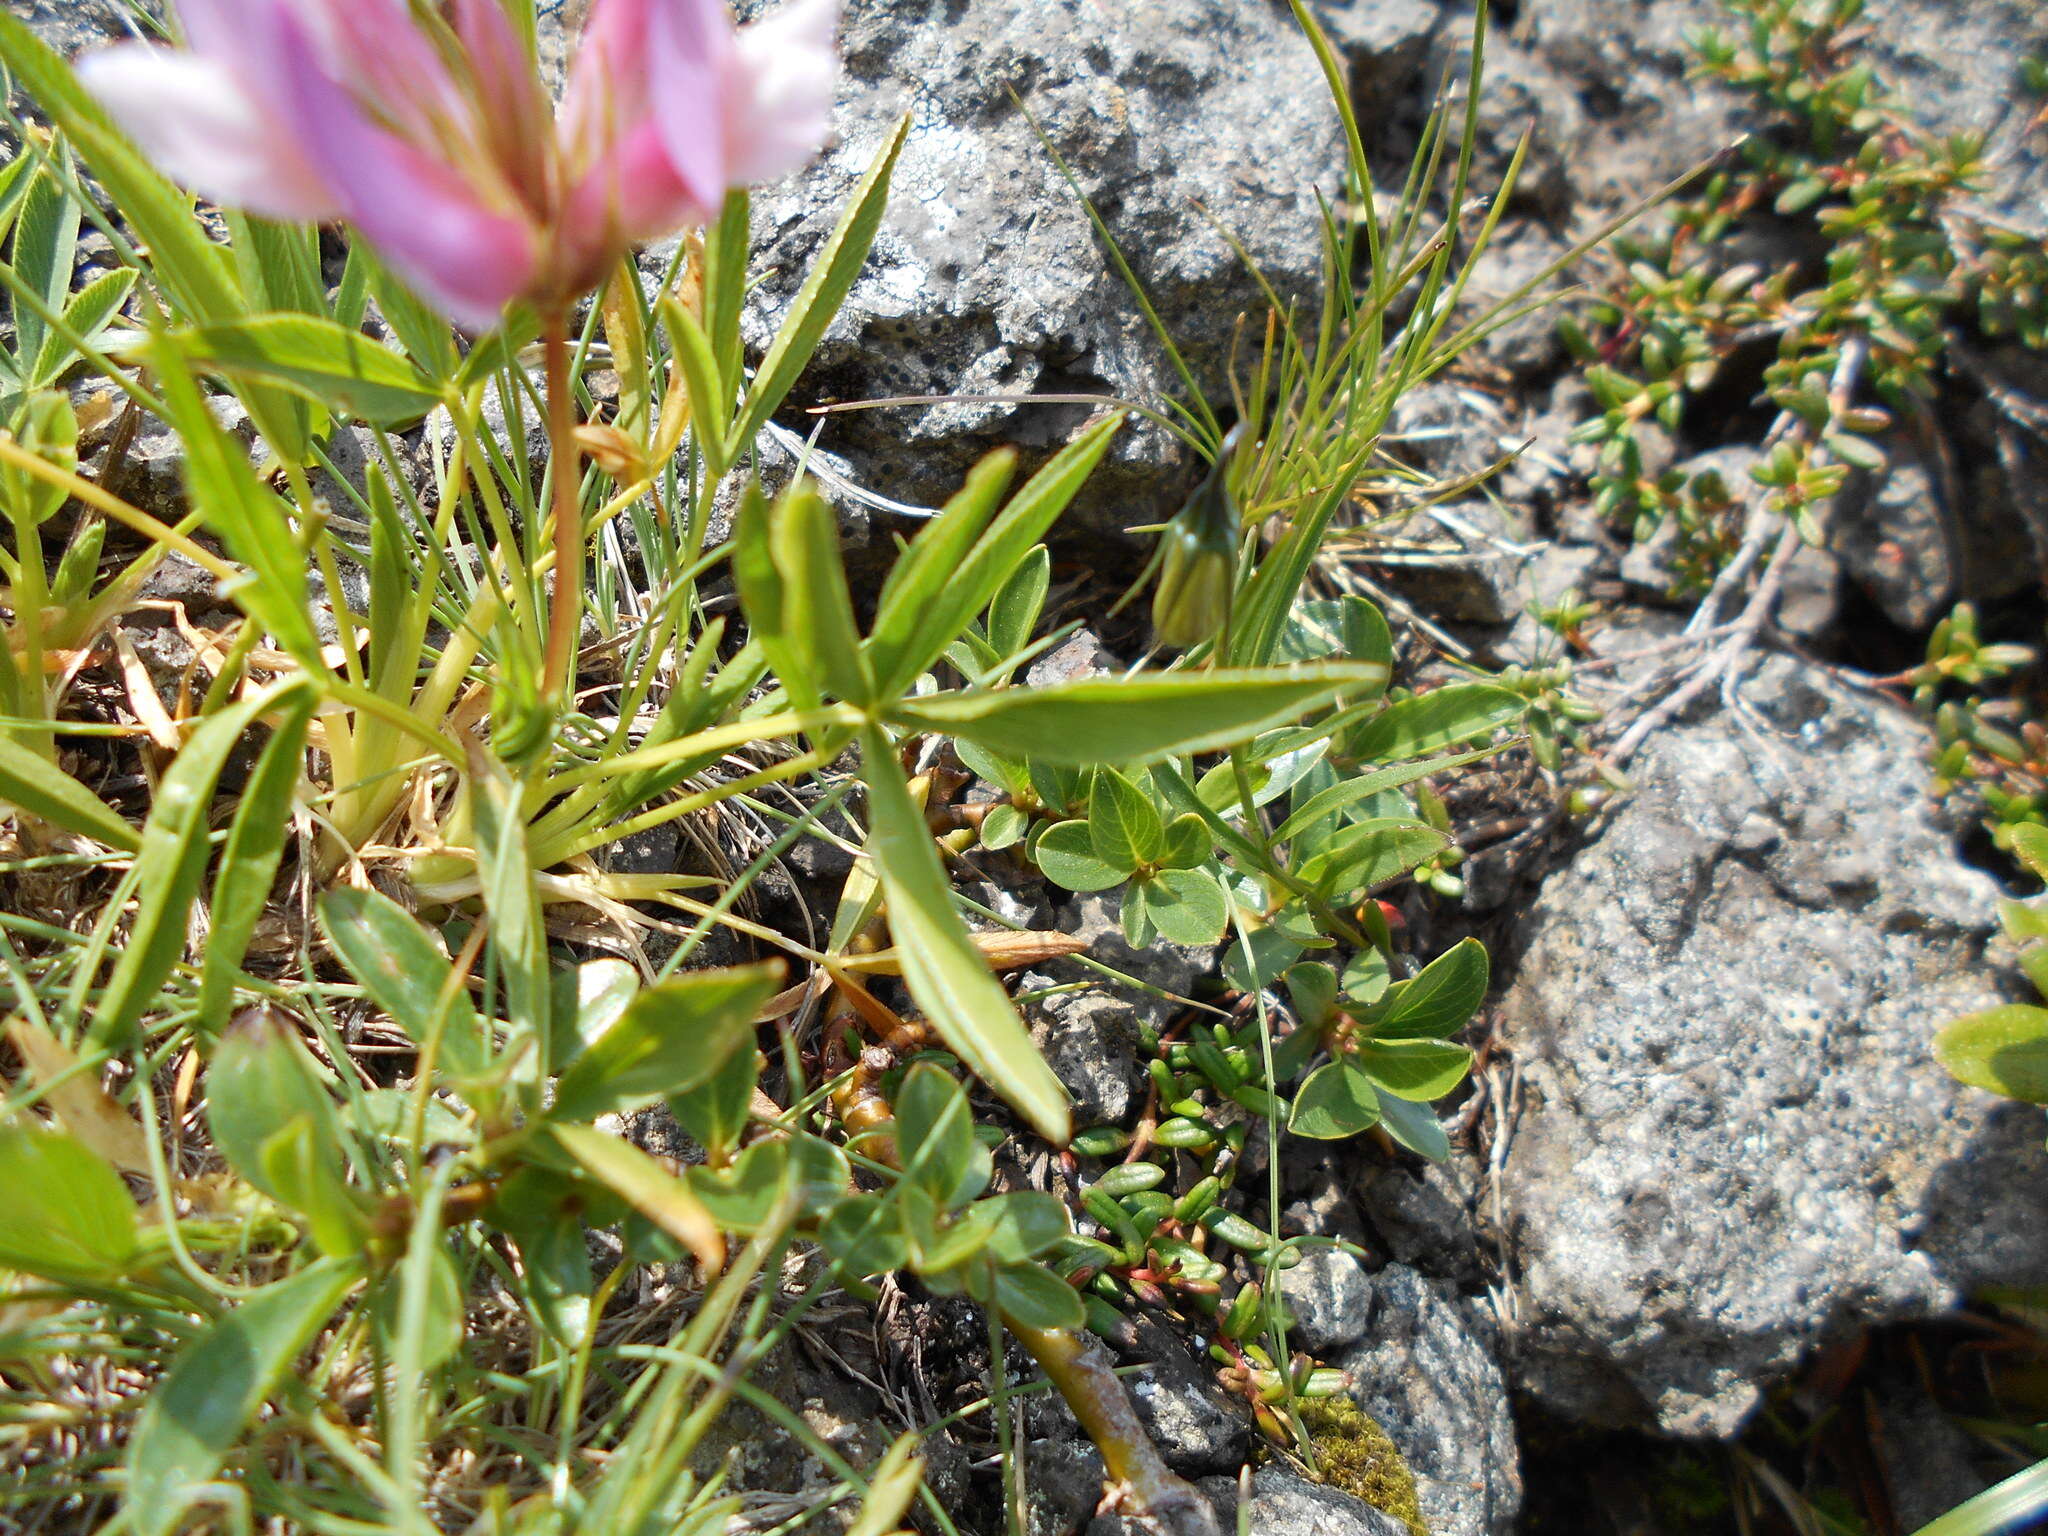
x=648, y=1187
x=1430, y=722
x=172, y=861
x=946, y=974
x=32, y=784
x=45, y=243
x=670, y=1038
x=249, y=862
x=89, y=310
x=1348, y=792
x=519, y=941
x=1370, y=853
x=907, y=620
x=274, y=1121
x=940, y=593
x=341, y=369
x=804, y=543
x=1134, y=719
x=243, y=511
x=406, y=974
x=832, y=275
x=891, y=1486
x=199, y=1410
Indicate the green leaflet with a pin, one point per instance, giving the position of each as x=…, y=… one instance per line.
x=327, y=363
x=944, y=970
x=31, y=783
x=1134, y=719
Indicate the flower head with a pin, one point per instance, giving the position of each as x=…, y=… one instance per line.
x=428, y=129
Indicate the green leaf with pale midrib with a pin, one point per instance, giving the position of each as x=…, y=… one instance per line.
x=945, y=972
x=1133, y=719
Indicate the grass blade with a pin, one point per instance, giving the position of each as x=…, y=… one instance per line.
x=249, y=862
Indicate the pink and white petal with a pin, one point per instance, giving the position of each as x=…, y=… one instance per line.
x=606, y=93
x=629, y=197
x=518, y=118
x=464, y=256
x=779, y=101
x=690, y=53
x=380, y=53
x=195, y=119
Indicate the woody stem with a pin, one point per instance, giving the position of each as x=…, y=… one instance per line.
x=565, y=606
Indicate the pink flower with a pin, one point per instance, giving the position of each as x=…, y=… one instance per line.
x=431, y=133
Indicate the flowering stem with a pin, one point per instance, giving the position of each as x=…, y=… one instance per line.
x=565, y=608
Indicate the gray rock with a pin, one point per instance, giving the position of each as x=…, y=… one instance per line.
x=1428, y=1374
x=1522, y=93
x=1811, y=594
x=1423, y=1215
x=1080, y=655
x=1648, y=567
x=1930, y=1464
x=1169, y=967
x=1090, y=1040
x=1198, y=1427
x=1447, y=431
x=1956, y=61
x=1466, y=562
x=1066, y=1485
x=1733, y=1142
x=987, y=277
x=1917, y=537
x=1383, y=41
x=1330, y=1297
x=1286, y=1505
x=70, y=26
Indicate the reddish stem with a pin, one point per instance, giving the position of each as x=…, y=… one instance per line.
x=565, y=606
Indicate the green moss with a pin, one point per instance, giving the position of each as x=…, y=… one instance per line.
x=1356, y=1456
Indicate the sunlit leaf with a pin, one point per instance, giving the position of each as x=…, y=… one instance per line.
x=65, y=1215
x=32, y=783
x=945, y=972
x=671, y=1037
x=2004, y=1050
x=1133, y=719
x=341, y=369
x=1336, y=1100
